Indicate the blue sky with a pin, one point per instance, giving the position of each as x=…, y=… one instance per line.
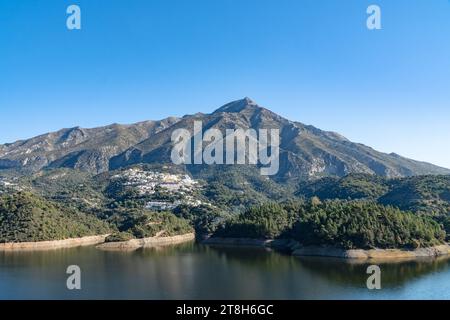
x=312, y=61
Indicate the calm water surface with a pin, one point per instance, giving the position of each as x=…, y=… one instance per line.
x=192, y=271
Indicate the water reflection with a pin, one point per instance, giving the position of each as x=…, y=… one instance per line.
x=394, y=273
x=192, y=271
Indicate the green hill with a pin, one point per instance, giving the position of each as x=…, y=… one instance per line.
x=145, y=223
x=427, y=194
x=352, y=187
x=420, y=194
x=27, y=217
x=346, y=224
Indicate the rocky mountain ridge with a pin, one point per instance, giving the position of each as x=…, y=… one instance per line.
x=305, y=151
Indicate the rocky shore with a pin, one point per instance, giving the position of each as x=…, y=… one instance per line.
x=53, y=244
x=297, y=249
x=372, y=254
x=134, y=244
x=291, y=246
x=98, y=240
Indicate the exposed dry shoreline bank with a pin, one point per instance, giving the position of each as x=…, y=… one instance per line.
x=134, y=244
x=290, y=245
x=373, y=254
x=322, y=251
x=98, y=240
x=53, y=244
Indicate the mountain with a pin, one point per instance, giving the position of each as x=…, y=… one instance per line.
x=78, y=148
x=305, y=151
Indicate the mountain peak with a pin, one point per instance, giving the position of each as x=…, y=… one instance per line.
x=237, y=106
x=306, y=152
x=249, y=101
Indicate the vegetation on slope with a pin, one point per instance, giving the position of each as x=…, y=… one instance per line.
x=359, y=210
x=27, y=217
x=422, y=194
x=425, y=194
x=266, y=221
x=144, y=223
x=236, y=188
x=361, y=224
x=204, y=218
x=346, y=224
x=352, y=187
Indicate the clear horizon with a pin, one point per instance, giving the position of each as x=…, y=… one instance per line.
x=309, y=61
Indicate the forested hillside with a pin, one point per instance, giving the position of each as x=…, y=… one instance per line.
x=346, y=224
x=27, y=217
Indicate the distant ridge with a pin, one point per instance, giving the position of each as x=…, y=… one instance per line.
x=306, y=152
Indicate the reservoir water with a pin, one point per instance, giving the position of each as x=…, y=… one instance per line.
x=192, y=271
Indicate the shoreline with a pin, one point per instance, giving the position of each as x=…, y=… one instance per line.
x=53, y=244
x=293, y=247
x=373, y=254
x=299, y=250
x=96, y=240
x=150, y=242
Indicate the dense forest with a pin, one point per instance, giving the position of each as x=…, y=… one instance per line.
x=427, y=196
x=420, y=194
x=144, y=223
x=346, y=224
x=27, y=217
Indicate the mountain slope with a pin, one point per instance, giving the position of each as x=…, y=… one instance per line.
x=78, y=148
x=27, y=217
x=305, y=151
x=427, y=194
